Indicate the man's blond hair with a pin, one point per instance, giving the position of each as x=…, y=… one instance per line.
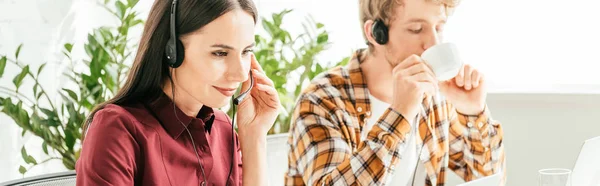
x=384, y=10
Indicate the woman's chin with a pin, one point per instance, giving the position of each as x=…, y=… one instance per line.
x=218, y=102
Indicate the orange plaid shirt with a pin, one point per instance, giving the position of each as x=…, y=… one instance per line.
x=325, y=146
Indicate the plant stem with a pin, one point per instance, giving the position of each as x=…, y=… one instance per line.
x=16, y=94
x=60, y=119
x=46, y=160
x=36, y=82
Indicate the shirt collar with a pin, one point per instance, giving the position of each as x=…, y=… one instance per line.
x=172, y=118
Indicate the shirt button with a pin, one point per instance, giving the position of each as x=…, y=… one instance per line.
x=480, y=124
x=368, y=113
x=203, y=148
x=470, y=124
x=486, y=148
x=359, y=109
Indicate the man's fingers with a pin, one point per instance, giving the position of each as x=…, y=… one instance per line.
x=417, y=68
x=424, y=77
x=460, y=78
x=467, y=74
x=428, y=88
x=475, y=78
x=408, y=62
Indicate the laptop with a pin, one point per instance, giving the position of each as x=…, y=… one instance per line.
x=587, y=167
x=493, y=180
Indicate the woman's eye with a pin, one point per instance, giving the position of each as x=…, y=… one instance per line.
x=247, y=51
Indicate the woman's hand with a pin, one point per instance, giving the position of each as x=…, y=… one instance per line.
x=258, y=112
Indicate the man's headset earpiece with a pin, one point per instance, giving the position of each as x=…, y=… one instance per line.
x=174, y=49
x=379, y=31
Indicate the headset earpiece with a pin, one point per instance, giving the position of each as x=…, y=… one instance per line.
x=174, y=50
x=379, y=31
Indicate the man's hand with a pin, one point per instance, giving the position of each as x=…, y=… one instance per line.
x=466, y=91
x=413, y=80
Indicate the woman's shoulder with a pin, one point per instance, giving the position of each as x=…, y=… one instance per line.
x=120, y=112
x=127, y=115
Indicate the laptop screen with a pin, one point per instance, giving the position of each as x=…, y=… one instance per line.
x=587, y=168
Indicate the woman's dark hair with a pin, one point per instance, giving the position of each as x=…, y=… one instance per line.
x=150, y=69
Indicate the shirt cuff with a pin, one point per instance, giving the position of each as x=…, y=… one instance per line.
x=479, y=121
x=393, y=122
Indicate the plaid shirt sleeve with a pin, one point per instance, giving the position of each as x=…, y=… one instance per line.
x=476, y=147
x=320, y=153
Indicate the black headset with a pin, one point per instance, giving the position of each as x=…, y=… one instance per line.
x=174, y=48
x=379, y=31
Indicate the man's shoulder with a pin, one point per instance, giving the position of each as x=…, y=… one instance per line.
x=329, y=84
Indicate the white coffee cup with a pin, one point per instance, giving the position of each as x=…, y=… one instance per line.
x=444, y=60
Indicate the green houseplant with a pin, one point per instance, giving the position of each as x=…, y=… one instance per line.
x=285, y=57
x=58, y=123
x=109, y=51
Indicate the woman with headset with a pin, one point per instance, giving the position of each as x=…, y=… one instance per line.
x=162, y=127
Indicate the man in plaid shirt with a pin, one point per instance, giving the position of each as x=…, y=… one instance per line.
x=384, y=119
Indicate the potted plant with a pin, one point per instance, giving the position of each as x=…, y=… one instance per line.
x=58, y=123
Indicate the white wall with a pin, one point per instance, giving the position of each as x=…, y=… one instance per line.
x=544, y=130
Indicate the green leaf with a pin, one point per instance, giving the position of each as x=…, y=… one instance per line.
x=121, y=8
x=19, y=78
x=68, y=163
x=24, y=154
x=71, y=94
x=320, y=25
x=38, y=95
x=69, y=139
x=2, y=65
x=36, y=122
x=32, y=160
x=123, y=30
x=22, y=169
x=68, y=47
x=48, y=113
x=35, y=89
x=323, y=38
x=18, y=51
x=132, y=3
x=136, y=22
x=53, y=122
x=105, y=32
x=88, y=48
x=45, y=147
x=41, y=68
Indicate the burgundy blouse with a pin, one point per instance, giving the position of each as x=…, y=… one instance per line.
x=146, y=144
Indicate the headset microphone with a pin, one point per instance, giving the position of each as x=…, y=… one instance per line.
x=236, y=101
x=241, y=97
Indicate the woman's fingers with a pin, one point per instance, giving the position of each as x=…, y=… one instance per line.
x=268, y=95
x=261, y=78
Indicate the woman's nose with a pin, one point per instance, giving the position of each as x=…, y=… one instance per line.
x=237, y=72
